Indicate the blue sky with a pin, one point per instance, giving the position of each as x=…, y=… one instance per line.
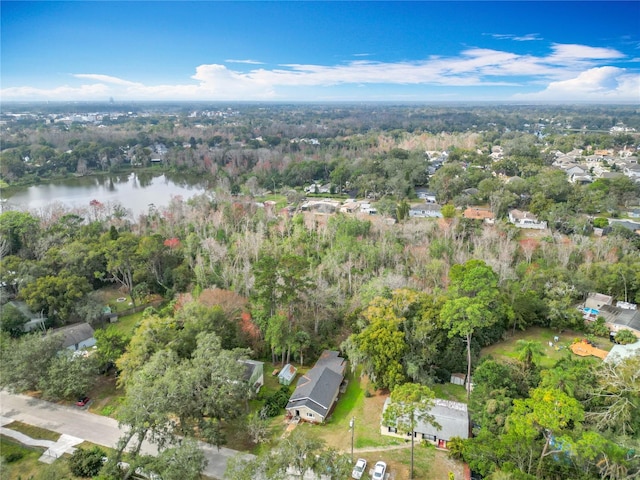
x=321, y=51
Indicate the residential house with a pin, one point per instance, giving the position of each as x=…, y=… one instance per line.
x=485, y=215
x=629, y=225
x=76, y=337
x=35, y=321
x=317, y=391
x=287, y=374
x=583, y=179
x=426, y=210
x=254, y=373
x=452, y=417
x=597, y=300
x=618, y=318
x=426, y=195
x=523, y=219
x=634, y=212
x=632, y=170
x=620, y=352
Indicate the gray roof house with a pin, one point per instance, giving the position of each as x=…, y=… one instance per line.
x=426, y=210
x=452, y=417
x=76, y=336
x=617, y=318
x=317, y=391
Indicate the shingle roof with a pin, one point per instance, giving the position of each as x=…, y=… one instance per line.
x=74, y=334
x=319, y=386
x=452, y=417
x=621, y=317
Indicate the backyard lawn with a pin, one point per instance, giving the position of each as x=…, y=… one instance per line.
x=506, y=349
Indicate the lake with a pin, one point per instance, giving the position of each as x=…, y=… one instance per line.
x=134, y=191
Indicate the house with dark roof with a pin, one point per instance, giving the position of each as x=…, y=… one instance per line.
x=317, y=391
x=617, y=318
x=452, y=418
x=76, y=337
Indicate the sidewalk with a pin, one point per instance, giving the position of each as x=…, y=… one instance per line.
x=64, y=444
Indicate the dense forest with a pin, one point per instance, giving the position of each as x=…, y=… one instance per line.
x=408, y=300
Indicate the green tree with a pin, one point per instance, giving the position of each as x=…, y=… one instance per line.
x=26, y=360
x=410, y=405
x=122, y=260
x=528, y=352
x=69, y=376
x=300, y=451
x=57, y=295
x=110, y=345
x=20, y=230
x=186, y=461
x=379, y=348
x=12, y=320
x=448, y=211
x=402, y=210
x=547, y=413
x=86, y=462
x=617, y=397
x=472, y=302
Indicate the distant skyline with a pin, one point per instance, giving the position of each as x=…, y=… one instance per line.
x=449, y=51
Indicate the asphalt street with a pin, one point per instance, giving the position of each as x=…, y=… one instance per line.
x=93, y=428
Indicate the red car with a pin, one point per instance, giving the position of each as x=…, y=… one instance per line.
x=82, y=401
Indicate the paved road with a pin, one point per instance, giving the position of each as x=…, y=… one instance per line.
x=93, y=428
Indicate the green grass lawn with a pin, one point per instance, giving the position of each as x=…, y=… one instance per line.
x=506, y=349
x=128, y=324
x=450, y=391
x=33, y=432
x=21, y=461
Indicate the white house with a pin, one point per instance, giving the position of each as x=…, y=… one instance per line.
x=452, y=418
x=426, y=210
x=526, y=220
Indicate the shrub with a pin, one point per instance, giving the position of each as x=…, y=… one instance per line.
x=275, y=402
x=600, y=222
x=86, y=463
x=624, y=337
x=14, y=457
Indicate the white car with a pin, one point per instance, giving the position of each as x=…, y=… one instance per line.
x=379, y=470
x=360, y=467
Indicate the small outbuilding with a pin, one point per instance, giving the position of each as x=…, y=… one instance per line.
x=254, y=374
x=287, y=374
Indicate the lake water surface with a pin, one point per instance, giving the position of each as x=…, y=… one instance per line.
x=134, y=191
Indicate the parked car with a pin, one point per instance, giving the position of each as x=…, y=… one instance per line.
x=379, y=470
x=359, y=468
x=82, y=401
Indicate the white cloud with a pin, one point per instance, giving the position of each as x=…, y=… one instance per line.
x=106, y=79
x=249, y=62
x=567, y=67
x=518, y=38
x=601, y=84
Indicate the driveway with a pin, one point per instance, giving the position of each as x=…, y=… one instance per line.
x=96, y=429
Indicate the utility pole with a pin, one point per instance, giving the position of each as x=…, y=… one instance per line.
x=352, y=426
